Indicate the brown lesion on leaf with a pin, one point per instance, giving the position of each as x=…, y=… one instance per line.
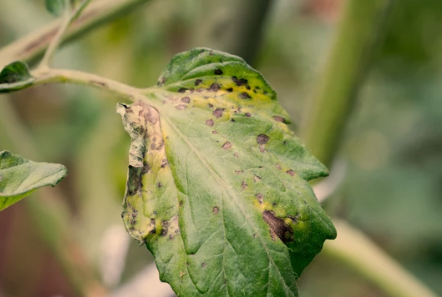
x=198, y=81
x=218, y=112
x=215, y=210
x=214, y=87
x=181, y=106
x=257, y=178
x=279, y=119
x=260, y=198
x=262, y=139
x=290, y=172
x=278, y=228
x=218, y=71
x=227, y=145
x=210, y=122
x=244, y=185
x=185, y=99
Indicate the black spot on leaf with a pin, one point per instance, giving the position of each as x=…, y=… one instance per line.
x=248, y=114
x=229, y=90
x=215, y=210
x=239, y=82
x=209, y=122
x=182, y=90
x=244, y=95
x=198, y=81
x=218, y=71
x=185, y=99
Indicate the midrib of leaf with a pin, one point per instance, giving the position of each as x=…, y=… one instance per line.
x=232, y=195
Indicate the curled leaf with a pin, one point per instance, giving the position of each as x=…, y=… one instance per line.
x=20, y=177
x=15, y=76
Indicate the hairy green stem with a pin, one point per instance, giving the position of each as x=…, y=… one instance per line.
x=359, y=252
x=44, y=76
x=357, y=37
x=33, y=45
x=56, y=41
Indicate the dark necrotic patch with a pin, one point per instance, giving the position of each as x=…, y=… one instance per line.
x=214, y=132
x=248, y=114
x=244, y=95
x=181, y=203
x=159, y=185
x=229, y=90
x=279, y=119
x=218, y=71
x=227, y=145
x=215, y=210
x=163, y=232
x=182, y=90
x=239, y=82
x=181, y=107
x=198, y=81
x=210, y=122
x=218, y=112
x=185, y=99
x=214, y=87
x=164, y=163
x=262, y=139
x=278, y=227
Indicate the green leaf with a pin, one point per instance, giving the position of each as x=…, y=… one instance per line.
x=20, y=177
x=217, y=185
x=56, y=7
x=15, y=76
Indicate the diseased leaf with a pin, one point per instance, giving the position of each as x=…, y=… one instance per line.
x=15, y=76
x=217, y=184
x=56, y=7
x=20, y=177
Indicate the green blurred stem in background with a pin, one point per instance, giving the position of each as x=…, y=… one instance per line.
x=357, y=38
x=236, y=26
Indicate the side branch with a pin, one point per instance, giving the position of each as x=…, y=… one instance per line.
x=33, y=45
x=44, y=76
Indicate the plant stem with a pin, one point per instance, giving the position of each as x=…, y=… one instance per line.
x=44, y=76
x=359, y=252
x=357, y=37
x=56, y=41
x=235, y=26
x=33, y=45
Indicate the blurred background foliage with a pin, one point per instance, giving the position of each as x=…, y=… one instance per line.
x=392, y=147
